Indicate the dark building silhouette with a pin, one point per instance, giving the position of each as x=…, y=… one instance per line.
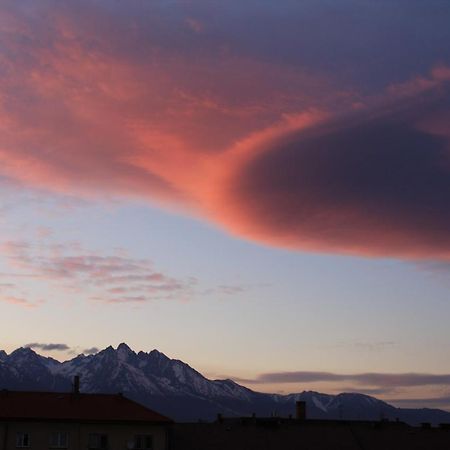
x=274, y=433
x=76, y=421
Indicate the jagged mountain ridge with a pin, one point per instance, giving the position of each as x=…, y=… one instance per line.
x=179, y=391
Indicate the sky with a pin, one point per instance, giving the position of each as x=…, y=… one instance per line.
x=258, y=188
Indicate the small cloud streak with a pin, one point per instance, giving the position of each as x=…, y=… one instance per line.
x=90, y=351
x=20, y=301
x=13, y=294
x=431, y=402
x=48, y=347
x=380, y=380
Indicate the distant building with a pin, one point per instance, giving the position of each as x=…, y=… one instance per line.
x=277, y=433
x=75, y=421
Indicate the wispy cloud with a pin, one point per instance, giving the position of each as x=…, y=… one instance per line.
x=21, y=301
x=13, y=294
x=61, y=347
x=113, y=278
x=48, y=347
x=380, y=380
x=90, y=350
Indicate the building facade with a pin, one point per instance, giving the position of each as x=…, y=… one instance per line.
x=44, y=420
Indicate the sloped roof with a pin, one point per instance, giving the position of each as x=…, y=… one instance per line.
x=74, y=407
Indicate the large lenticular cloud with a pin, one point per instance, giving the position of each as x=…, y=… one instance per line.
x=189, y=106
x=374, y=182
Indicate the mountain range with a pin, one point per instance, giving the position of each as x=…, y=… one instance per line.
x=175, y=389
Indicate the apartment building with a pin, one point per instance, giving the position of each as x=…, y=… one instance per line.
x=75, y=421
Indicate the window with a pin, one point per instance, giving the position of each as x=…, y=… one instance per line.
x=143, y=442
x=22, y=439
x=59, y=439
x=97, y=440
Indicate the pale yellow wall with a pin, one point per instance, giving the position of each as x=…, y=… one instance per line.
x=118, y=435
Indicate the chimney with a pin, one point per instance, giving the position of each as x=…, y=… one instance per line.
x=76, y=384
x=300, y=410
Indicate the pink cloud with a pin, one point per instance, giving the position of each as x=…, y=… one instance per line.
x=79, y=115
x=106, y=275
x=96, y=101
x=19, y=301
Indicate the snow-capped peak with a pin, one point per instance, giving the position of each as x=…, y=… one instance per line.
x=124, y=352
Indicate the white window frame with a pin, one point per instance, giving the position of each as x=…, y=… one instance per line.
x=141, y=439
x=23, y=439
x=61, y=441
x=99, y=440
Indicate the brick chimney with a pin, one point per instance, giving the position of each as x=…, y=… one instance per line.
x=300, y=410
x=76, y=384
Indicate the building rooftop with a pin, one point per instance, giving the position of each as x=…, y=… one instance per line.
x=15, y=405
